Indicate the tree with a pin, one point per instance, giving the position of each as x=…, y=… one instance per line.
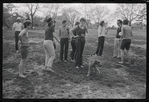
x=129, y=11
x=71, y=15
x=33, y=7
x=10, y=7
x=6, y=16
x=51, y=10
x=99, y=13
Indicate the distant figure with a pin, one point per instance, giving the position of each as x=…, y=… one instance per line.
x=81, y=31
x=126, y=34
x=73, y=39
x=64, y=40
x=102, y=31
x=24, y=42
x=17, y=27
x=117, y=42
x=48, y=45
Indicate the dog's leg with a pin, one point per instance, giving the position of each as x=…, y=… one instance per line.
x=89, y=70
x=97, y=69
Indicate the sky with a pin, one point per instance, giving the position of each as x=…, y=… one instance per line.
x=111, y=6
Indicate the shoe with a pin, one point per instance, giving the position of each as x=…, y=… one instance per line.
x=114, y=56
x=121, y=62
x=77, y=67
x=118, y=57
x=22, y=76
x=65, y=60
x=17, y=51
x=82, y=66
x=50, y=69
x=60, y=60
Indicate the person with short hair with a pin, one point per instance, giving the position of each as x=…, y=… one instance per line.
x=126, y=34
x=48, y=44
x=117, y=42
x=102, y=31
x=81, y=32
x=24, y=44
x=72, y=54
x=17, y=27
x=64, y=40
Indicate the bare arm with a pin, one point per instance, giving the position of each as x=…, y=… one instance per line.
x=20, y=35
x=54, y=35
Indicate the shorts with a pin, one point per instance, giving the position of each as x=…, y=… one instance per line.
x=125, y=44
x=24, y=51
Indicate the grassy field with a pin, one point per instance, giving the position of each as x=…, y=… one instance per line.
x=114, y=81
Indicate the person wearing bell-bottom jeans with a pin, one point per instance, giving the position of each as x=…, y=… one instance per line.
x=117, y=41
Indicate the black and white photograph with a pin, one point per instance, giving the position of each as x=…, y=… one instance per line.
x=74, y=50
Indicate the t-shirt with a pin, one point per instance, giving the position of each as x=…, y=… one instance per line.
x=64, y=32
x=49, y=33
x=126, y=32
x=118, y=31
x=17, y=26
x=101, y=31
x=24, y=36
x=78, y=31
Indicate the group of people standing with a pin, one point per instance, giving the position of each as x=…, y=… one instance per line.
x=77, y=38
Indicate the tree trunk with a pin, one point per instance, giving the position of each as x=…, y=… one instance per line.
x=32, y=21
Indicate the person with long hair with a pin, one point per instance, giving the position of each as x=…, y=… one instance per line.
x=24, y=44
x=73, y=39
x=17, y=28
x=48, y=44
x=102, y=31
x=81, y=31
x=126, y=34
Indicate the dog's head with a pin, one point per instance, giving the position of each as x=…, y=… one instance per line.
x=97, y=63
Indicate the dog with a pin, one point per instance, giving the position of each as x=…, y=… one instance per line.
x=93, y=62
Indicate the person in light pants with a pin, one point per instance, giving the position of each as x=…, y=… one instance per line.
x=117, y=41
x=48, y=45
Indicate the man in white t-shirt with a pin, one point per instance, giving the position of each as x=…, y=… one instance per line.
x=17, y=27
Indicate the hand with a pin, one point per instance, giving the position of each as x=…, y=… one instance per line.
x=82, y=35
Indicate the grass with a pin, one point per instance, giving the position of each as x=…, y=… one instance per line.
x=114, y=81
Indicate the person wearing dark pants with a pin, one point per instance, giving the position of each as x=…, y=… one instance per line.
x=100, y=45
x=17, y=27
x=64, y=41
x=80, y=42
x=102, y=31
x=81, y=31
x=72, y=54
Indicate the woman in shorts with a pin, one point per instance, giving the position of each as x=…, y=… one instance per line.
x=24, y=44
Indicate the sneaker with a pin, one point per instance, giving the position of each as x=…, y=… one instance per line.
x=65, y=60
x=50, y=69
x=22, y=76
x=114, y=56
x=60, y=60
x=82, y=66
x=77, y=67
x=17, y=51
x=121, y=62
x=118, y=57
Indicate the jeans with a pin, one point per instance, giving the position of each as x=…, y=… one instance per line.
x=64, y=43
x=117, y=44
x=16, y=39
x=100, y=45
x=49, y=51
x=72, y=54
x=80, y=43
